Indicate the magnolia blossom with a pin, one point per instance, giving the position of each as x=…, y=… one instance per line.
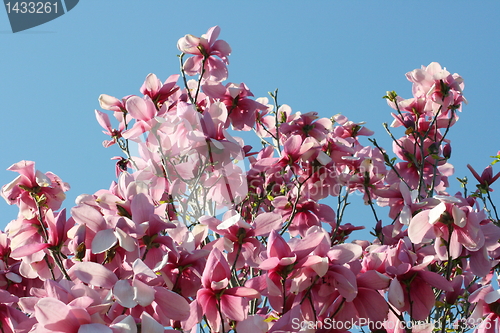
x=205, y=49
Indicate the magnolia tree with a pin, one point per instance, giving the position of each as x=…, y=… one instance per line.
x=187, y=240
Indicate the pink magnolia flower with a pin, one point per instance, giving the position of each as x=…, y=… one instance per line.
x=205, y=49
x=143, y=110
x=487, y=309
x=115, y=134
x=11, y=319
x=411, y=286
x=216, y=299
x=307, y=213
x=32, y=187
x=240, y=237
x=308, y=124
x=451, y=224
x=284, y=262
x=240, y=109
x=296, y=149
x=437, y=83
x=349, y=129
x=56, y=230
x=157, y=91
x=486, y=178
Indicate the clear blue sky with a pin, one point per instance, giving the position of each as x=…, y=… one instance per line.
x=326, y=56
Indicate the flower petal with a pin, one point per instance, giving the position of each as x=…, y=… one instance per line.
x=173, y=305
x=144, y=295
x=95, y=328
x=103, y=241
x=148, y=324
x=124, y=294
x=94, y=274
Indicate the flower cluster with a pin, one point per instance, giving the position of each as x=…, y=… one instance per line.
x=202, y=231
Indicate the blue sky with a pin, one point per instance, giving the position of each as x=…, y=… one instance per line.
x=325, y=56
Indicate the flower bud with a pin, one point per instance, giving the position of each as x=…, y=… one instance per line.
x=447, y=151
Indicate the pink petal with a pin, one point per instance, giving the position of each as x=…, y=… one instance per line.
x=151, y=84
x=109, y=102
x=422, y=296
x=277, y=246
x=253, y=324
x=459, y=217
x=136, y=130
x=28, y=249
x=125, y=240
x=140, y=109
x=126, y=325
x=292, y=145
x=217, y=69
x=192, y=65
x=373, y=279
x=479, y=262
x=266, y=222
x=307, y=244
x=222, y=48
x=212, y=34
x=214, y=89
x=103, y=120
x=95, y=328
x=216, y=269
x=492, y=296
x=103, y=241
x=435, y=213
x=50, y=311
x=396, y=295
x=344, y=253
x=269, y=263
x=345, y=282
x=173, y=305
x=94, y=274
x=188, y=44
x=317, y=263
x=124, y=294
x=233, y=307
x=420, y=230
x=141, y=208
x=243, y=292
x=144, y=295
x=141, y=269
x=84, y=214
x=436, y=280
x=148, y=324
x=25, y=168
x=370, y=304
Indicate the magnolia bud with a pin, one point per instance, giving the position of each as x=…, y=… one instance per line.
x=447, y=151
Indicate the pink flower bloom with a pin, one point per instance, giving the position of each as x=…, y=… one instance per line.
x=215, y=296
x=487, y=309
x=240, y=109
x=308, y=124
x=486, y=178
x=240, y=237
x=450, y=222
x=143, y=110
x=115, y=134
x=205, y=49
x=47, y=189
x=438, y=84
x=307, y=213
x=283, y=264
x=11, y=319
x=411, y=286
x=157, y=91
